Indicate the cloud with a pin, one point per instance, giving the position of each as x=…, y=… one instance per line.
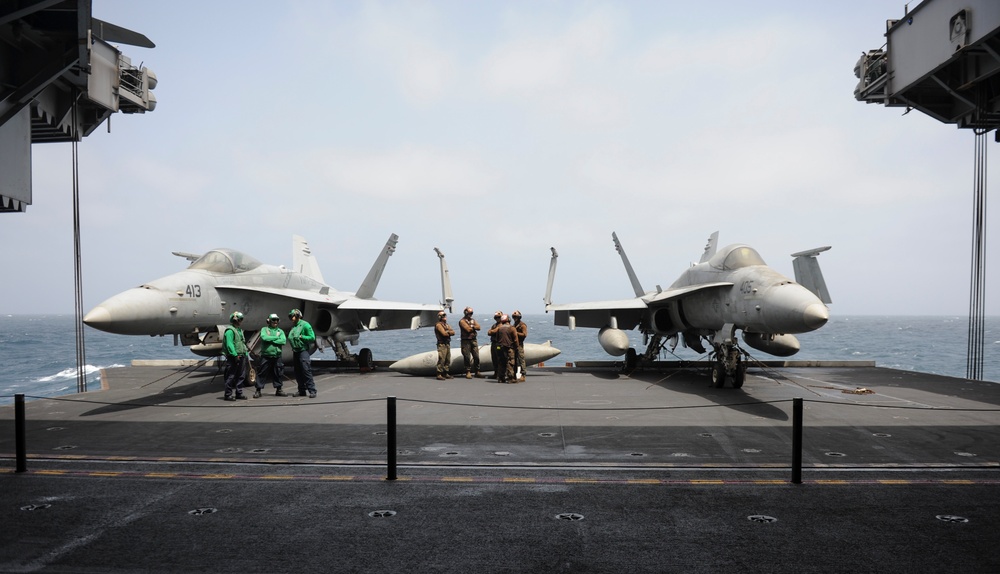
x=559, y=73
x=400, y=39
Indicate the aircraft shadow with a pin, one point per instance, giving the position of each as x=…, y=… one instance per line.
x=194, y=383
x=697, y=381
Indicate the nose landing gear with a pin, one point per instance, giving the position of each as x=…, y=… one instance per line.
x=728, y=362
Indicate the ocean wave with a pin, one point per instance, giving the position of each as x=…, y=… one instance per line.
x=71, y=373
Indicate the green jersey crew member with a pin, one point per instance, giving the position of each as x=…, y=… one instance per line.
x=301, y=337
x=272, y=339
x=234, y=346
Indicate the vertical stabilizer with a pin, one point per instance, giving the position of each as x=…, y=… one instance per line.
x=808, y=273
x=446, y=296
x=368, y=286
x=710, y=247
x=303, y=261
x=639, y=292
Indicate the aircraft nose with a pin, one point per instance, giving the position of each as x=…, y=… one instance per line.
x=791, y=308
x=815, y=316
x=98, y=318
x=137, y=311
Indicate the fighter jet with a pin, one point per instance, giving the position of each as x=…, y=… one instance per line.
x=728, y=290
x=194, y=305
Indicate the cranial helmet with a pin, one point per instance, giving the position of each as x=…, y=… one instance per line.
x=272, y=317
x=295, y=313
x=236, y=316
x=516, y=315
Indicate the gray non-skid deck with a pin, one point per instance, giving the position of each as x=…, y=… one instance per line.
x=573, y=470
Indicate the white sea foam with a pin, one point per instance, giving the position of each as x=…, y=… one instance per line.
x=66, y=374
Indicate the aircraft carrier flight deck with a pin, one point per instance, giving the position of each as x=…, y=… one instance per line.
x=577, y=469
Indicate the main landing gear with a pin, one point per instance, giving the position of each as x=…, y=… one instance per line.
x=728, y=362
x=363, y=359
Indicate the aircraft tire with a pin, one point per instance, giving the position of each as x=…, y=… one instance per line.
x=631, y=360
x=718, y=375
x=740, y=376
x=365, y=361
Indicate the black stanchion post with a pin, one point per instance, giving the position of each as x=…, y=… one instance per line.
x=390, y=404
x=797, y=441
x=22, y=457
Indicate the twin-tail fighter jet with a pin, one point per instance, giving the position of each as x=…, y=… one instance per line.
x=194, y=305
x=728, y=290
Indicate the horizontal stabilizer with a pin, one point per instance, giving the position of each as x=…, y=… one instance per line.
x=808, y=273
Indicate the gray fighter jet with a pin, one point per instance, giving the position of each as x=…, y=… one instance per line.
x=194, y=305
x=727, y=290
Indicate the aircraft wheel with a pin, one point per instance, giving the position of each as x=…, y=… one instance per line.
x=718, y=375
x=365, y=361
x=739, y=376
x=631, y=360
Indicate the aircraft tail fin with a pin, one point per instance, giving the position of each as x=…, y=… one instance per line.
x=552, y=278
x=368, y=286
x=808, y=273
x=303, y=260
x=447, y=298
x=636, y=286
x=710, y=247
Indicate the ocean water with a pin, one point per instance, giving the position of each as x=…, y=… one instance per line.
x=38, y=352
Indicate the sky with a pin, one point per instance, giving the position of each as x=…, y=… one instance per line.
x=496, y=130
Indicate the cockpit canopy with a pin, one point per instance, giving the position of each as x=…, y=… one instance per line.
x=736, y=256
x=225, y=261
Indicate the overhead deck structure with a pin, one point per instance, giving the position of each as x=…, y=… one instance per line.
x=60, y=78
x=943, y=59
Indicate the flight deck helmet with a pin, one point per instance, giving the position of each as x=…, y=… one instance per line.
x=236, y=317
x=295, y=313
x=272, y=317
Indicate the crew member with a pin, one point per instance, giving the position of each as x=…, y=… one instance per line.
x=272, y=339
x=522, y=334
x=444, y=333
x=507, y=341
x=301, y=337
x=234, y=346
x=470, y=345
x=494, y=346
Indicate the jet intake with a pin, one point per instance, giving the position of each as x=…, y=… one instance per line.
x=613, y=341
x=773, y=343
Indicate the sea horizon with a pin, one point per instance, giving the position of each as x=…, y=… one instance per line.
x=40, y=349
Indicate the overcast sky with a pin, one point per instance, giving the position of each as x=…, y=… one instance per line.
x=495, y=130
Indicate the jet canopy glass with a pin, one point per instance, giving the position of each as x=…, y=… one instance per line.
x=225, y=261
x=736, y=256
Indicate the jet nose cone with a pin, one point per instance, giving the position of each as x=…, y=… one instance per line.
x=98, y=318
x=815, y=316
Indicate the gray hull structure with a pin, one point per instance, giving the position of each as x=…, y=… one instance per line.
x=579, y=469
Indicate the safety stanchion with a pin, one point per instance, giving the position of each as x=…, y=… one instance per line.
x=797, y=441
x=22, y=457
x=390, y=405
